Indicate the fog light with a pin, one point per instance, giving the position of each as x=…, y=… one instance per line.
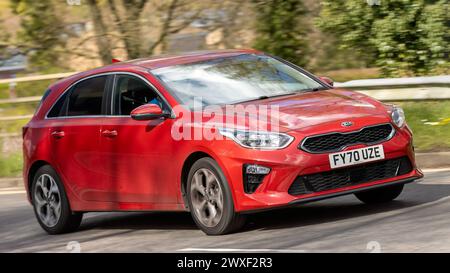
x=256, y=169
x=253, y=176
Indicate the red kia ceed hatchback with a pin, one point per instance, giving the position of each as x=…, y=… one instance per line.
x=178, y=133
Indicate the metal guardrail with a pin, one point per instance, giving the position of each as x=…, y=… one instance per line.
x=397, y=82
x=401, y=89
x=15, y=117
x=22, y=99
x=409, y=94
x=37, y=77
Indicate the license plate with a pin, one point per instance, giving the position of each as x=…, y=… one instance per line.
x=356, y=156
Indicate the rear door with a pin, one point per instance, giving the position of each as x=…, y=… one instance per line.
x=75, y=137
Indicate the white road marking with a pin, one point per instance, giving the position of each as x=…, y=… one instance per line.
x=240, y=250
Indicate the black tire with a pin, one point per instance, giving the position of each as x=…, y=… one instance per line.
x=68, y=220
x=230, y=220
x=381, y=195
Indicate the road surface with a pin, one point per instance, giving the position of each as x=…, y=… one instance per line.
x=418, y=221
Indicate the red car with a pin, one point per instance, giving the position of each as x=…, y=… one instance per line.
x=128, y=137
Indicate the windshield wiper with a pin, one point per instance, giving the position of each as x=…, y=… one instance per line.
x=264, y=97
x=313, y=89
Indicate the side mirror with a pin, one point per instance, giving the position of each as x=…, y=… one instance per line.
x=148, y=112
x=327, y=80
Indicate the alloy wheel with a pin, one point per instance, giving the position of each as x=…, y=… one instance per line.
x=47, y=200
x=207, y=197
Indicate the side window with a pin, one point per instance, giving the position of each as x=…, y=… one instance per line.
x=85, y=98
x=131, y=92
x=58, y=108
x=46, y=93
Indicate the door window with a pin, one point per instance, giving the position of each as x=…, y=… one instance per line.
x=131, y=93
x=86, y=97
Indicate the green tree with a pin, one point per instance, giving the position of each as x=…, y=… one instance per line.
x=402, y=37
x=280, y=30
x=41, y=33
x=4, y=39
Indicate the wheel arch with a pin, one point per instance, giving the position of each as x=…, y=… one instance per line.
x=32, y=172
x=188, y=162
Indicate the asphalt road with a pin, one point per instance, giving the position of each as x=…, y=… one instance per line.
x=418, y=221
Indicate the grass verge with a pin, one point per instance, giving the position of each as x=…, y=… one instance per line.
x=11, y=165
x=427, y=119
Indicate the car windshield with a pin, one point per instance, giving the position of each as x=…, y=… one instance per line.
x=234, y=79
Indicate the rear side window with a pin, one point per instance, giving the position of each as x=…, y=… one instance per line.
x=58, y=107
x=47, y=92
x=83, y=99
x=86, y=97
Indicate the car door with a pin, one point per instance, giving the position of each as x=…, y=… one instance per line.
x=75, y=123
x=136, y=152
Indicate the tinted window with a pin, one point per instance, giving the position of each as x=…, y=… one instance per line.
x=132, y=92
x=58, y=107
x=47, y=92
x=86, y=97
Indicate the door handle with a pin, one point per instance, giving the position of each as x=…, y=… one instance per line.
x=108, y=133
x=58, y=134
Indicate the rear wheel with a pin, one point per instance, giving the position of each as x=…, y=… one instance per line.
x=381, y=195
x=50, y=203
x=210, y=200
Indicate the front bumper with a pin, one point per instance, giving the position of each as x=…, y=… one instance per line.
x=289, y=163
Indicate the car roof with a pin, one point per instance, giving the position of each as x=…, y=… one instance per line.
x=188, y=57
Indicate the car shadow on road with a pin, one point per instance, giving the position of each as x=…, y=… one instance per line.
x=345, y=208
x=140, y=220
x=331, y=210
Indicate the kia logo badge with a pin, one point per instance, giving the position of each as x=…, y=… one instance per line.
x=346, y=124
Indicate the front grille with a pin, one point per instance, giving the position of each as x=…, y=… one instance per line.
x=350, y=176
x=337, y=141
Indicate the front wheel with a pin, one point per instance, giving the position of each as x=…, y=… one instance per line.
x=50, y=203
x=210, y=200
x=381, y=195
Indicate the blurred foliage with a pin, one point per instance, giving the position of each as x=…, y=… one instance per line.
x=41, y=33
x=17, y=109
x=4, y=39
x=402, y=37
x=25, y=89
x=343, y=75
x=279, y=30
x=13, y=126
x=10, y=163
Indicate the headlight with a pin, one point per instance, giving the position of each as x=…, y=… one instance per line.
x=258, y=140
x=398, y=116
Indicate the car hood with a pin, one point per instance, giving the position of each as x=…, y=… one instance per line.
x=306, y=110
